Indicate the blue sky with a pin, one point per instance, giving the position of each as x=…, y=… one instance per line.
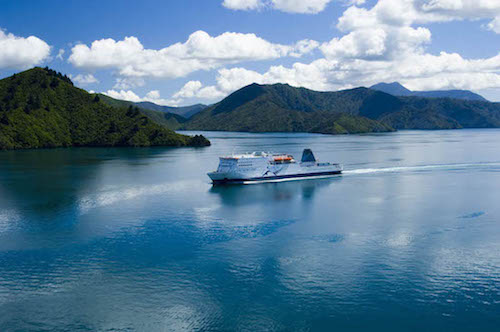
x=183, y=52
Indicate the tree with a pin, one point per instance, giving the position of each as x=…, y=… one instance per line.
x=54, y=83
x=113, y=128
x=132, y=111
x=5, y=119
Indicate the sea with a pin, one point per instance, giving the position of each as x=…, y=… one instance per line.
x=137, y=239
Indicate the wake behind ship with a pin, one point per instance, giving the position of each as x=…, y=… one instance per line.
x=267, y=167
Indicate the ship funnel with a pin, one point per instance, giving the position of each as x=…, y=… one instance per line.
x=308, y=156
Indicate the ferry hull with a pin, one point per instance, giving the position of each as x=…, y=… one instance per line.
x=278, y=178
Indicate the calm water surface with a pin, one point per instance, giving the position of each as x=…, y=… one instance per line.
x=137, y=239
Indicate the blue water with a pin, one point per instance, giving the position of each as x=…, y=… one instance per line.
x=137, y=239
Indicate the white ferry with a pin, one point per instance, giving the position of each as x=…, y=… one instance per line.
x=268, y=167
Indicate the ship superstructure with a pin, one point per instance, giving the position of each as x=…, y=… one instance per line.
x=269, y=167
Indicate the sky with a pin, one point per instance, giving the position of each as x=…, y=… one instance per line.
x=198, y=51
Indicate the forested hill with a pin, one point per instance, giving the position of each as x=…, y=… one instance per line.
x=40, y=108
x=172, y=121
x=282, y=108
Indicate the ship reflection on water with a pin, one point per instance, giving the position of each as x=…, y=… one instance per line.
x=277, y=192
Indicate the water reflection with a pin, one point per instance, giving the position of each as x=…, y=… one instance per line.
x=267, y=192
x=45, y=183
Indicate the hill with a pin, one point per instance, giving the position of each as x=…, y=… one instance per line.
x=170, y=120
x=40, y=108
x=396, y=89
x=184, y=111
x=282, y=108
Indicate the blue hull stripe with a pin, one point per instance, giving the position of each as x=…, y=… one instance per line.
x=278, y=177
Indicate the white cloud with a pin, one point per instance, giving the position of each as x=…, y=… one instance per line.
x=494, y=25
x=84, y=79
x=200, y=52
x=303, y=47
x=60, y=55
x=189, y=90
x=460, y=9
x=357, y=44
x=21, y=53
x=195, y=89
x=210, y=93
x=125, y=83
x=356, y=2
x=288, y=6
x=301, y=6
x=152, y=96
x=242, y=4
x=128, y=95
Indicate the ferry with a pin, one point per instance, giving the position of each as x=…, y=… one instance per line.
x=260, y=167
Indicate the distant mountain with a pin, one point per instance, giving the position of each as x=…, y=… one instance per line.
x=184, y=111
x=396, y=89
x=282, y=108
x=40, y=108
x=170, y=120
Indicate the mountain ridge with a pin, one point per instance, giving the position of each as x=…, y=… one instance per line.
x=397, y=89
x=184, y=111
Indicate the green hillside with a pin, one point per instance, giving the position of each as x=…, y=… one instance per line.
x=282, y=108
x=41, y=108
x=170, y=120
x=184, y=112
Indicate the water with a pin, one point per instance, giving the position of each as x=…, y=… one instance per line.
x=137, y=239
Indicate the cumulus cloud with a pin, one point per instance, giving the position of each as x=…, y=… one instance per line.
x=242, y=4
x=288, y=6
x=125, y=83
x=152, y=96
x=459, y=9
x=301, y=6
x=303, y=47
x=21, y=53
x=200, y=52
x=128, y=95
x=84, y=79
x=195, y=89
x=189, y=90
